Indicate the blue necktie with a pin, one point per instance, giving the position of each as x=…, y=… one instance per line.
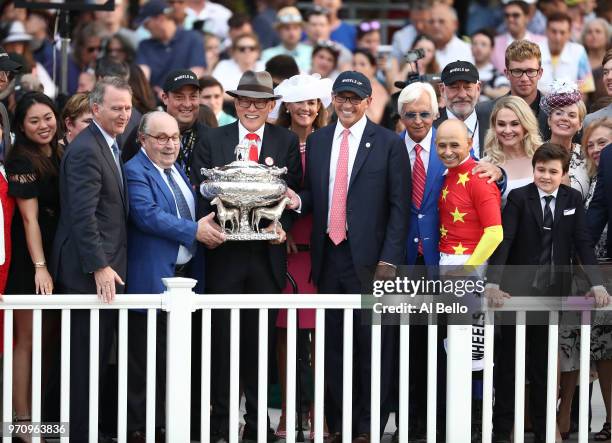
x=181, y=202
x=115, y=150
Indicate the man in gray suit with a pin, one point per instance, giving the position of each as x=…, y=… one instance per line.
x=90, y=250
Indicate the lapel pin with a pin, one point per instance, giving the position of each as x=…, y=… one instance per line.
x=368, y=144
x=269, y=161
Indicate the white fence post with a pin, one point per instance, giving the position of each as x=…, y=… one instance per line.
x=459, y=384
x=178, y=301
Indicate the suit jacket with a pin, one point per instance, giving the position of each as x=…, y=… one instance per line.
x=482, y=129
x=486, y=108
x=217, y=149
x=378, y=199
x=424, y=221
x=523, y=219
x=92, y=231
x=155, y=231
x=600, y=208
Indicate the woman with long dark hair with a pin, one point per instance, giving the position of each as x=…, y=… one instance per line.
x=32, y=168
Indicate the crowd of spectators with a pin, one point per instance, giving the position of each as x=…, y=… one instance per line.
x=168, y=87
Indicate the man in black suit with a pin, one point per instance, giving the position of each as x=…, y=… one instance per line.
x=524, y=70
x=90, y=250
x=244, y=267
x=544, y=225
x=460, y=88
x=358, y=189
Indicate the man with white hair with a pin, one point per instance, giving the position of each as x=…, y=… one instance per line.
x=443, y=26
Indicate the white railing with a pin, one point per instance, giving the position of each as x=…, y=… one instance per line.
x=179, y=301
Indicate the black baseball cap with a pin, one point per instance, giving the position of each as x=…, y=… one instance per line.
x=179, y=78
x=7, y=64
x=459, y=70
x=353, y=81
x=152, y=8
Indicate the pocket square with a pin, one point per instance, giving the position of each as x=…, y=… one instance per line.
x=569, y=211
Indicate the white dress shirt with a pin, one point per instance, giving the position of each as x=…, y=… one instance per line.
x=183, y=255
x=425, y=144
x=454, y=50
x=110, y=140
x=552, y=202
x=472, y=124
x=242, y=133
x=353, y=140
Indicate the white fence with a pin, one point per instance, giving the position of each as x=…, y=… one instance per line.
x=179, y=301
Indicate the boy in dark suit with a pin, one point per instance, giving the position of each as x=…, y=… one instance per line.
x=544, y=225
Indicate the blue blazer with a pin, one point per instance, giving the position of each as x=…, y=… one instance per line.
x=155, y=231
x=377, y=205
x=424, y=222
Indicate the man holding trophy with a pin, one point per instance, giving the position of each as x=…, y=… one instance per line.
x=246, y=266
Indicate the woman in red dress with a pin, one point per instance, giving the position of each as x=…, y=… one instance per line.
x=303, y=110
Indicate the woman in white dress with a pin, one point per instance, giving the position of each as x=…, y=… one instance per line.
x=511, y=140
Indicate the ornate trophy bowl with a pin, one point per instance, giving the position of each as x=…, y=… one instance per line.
x=243, y=192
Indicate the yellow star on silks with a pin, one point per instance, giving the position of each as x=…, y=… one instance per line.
x=463, y=179
x=458, y=216
x=443, y=231
x=444, y=193
x=459, y=249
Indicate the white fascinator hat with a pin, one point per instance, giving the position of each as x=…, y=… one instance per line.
x=303, y=87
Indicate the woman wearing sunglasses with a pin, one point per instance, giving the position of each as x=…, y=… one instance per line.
x=245, y=52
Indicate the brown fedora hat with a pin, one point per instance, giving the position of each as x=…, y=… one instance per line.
x=255, y=85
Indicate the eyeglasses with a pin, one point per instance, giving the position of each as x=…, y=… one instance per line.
x=369, y=26
x=518, y=73
x=246, y=48
x=354, y=100
x=513, y=15
x=413, y=115
x=94, y=49
x=163, y=138
x=245, y=103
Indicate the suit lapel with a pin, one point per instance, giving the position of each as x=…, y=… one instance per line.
x=365, y=146
x=108, y=156
x=229, y=142
x=433, y=168
x=560, y=205
x=268, y=147
x=159, y=180
x=536, y=207
x=325, y=161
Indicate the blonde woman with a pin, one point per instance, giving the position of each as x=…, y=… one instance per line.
x=511, y=140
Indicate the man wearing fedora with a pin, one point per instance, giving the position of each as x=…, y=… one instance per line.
x=243, y=267
x=358, y=188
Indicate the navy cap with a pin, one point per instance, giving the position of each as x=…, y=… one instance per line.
x=150, y=9
x=7, y=64
x=459, y=70
x=353, y=81
x=179, y=78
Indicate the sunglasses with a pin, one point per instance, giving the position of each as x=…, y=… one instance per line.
x=329, y=44
x=92, y=49
x=414, y=115
x=246, y=48
x=369, y=26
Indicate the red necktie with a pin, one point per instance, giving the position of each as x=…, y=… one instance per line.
x=418, y=184
x=253, y=153
x=337, y=216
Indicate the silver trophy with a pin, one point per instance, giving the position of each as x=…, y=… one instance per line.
x=244, y=193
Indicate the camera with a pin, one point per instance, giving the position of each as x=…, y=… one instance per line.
x=414, y=55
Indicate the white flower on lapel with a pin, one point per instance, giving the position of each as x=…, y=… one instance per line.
x=269, y=161
x=368, y=144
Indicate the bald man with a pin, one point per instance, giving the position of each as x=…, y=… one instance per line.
x=470, y=208
x=442, y=28
x=162, y=236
